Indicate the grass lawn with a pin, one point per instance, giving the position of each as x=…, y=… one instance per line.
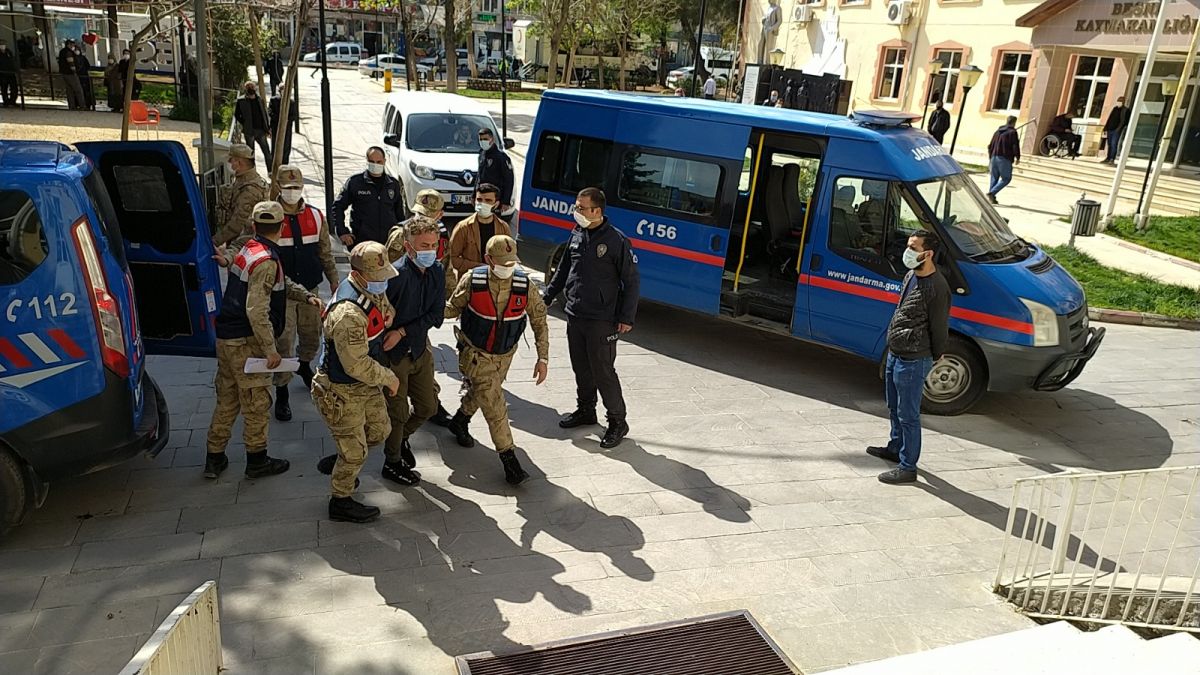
x=973, y=168
x=1176, y=235
x=1112, y=288
x=512, y=95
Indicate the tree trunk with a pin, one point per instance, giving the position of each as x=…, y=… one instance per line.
x=689, y=30
x=256, y=47
x=450, y=40
x=621, y=51
x=114, y=33
x=556, y=36
x=570, y=64
x=410, y=66
x=289, y=84
x=662, y=60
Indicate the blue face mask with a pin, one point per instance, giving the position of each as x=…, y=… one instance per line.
x=425, y=258
x=377, y=287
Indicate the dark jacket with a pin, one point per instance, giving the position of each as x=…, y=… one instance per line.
x=495, y=167
x=83, y=66
x=66, y=62
x=1118, y=119
x=939, y=123
x=249, y=114
x=1063, y=123
x=921, y=325
x=420, y=303
x=377, y=205
x=275, y=107
x=8, y=61
x=1005, y=143
x=599, y=274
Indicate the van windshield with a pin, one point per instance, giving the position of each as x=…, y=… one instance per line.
x=443, y=132
x=979, y=232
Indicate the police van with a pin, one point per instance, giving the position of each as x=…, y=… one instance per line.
x=105, y=257
x=796, y=222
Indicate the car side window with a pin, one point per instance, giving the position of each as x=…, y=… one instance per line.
x=22, y=239
x=870, y=221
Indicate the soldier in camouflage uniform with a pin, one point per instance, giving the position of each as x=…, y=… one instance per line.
x=236, y=199
x=495, y=301
x=347, y=388
x=250, y=320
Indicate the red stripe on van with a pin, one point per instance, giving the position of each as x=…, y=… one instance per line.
x=992, y=320
x=16, y=358
x=68, y=345
x=654, y=247
x=854, y=289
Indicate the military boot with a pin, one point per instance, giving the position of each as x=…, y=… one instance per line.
x=283, y=408
x=442, y=418
x=214, y=464
x=325, y=465
x=458, y=427
x=399, y=472
x=406, y=454
x=306, y=373
x=614, y=434
x=259, y=465
x=346, y=509
x=513, y=473
x=580, y=417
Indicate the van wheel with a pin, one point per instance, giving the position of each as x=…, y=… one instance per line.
x=553, y=261
x=957, y=381
x=15, y=494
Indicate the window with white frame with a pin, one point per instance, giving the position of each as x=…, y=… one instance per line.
x=947, y=82
x=891, y=73
x=1010, y=81
x=1092, y=75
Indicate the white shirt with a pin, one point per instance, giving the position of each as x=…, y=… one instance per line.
x=710, y=87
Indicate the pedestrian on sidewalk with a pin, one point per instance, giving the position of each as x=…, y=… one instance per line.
x=1114, y=130
x=710, y=87
x=939, y=123
x=83, y=69
x=916, y=338
x=123, y=71
x=1004, y=151
x=69, y=70
x=276, y=109
x=114, y=82
x=251, y=116
x=9, y=70
x=375, y=200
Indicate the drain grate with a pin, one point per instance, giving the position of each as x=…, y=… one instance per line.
x=729, y=644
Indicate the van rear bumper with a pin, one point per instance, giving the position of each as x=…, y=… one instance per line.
x=86, y=437
x=1021, y=368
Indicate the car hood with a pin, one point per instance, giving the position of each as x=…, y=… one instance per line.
x=444, y=161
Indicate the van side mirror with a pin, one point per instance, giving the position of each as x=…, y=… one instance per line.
x=392, y=140
x=509, y=144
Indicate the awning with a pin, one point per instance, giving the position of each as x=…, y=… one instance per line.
x=1046, y=10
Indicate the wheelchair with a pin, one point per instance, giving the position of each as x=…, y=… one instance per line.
x=1054, y=146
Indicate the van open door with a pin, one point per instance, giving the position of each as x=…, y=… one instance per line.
x=168, y=243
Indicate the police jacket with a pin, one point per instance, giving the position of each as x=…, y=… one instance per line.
x=376, y=205
x=599, y=275
x=496, y=168
x=304, y=247
x=419, y=299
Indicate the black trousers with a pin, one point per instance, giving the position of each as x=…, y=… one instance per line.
x=593, y=348
x=8, y=88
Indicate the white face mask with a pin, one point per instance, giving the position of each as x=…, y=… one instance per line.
x=583, y=221
x=375, y=169
x=484, y=210
x=504, y=271
x=484, y=144
x=292, y=195
x=912, y=259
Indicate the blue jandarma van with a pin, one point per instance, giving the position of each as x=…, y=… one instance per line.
x=796, y=222
x=105, y=256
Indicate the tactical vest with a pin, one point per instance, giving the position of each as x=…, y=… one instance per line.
x=232, y=321
x=443, y=243
x=486, y=331
x=376, y=325
x=300, y=246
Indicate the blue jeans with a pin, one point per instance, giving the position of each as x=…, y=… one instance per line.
x=905, y=383
x=1001, y=170
x=1113, y=143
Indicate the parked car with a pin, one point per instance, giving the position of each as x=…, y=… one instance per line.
x=338, y=52
x=375, y=66
x=676, y=76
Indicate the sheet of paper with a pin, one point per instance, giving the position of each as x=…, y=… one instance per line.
x=260, y=366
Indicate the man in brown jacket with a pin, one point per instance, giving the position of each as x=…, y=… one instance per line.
x=470, y=236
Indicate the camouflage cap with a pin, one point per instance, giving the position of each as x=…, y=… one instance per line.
x=371, y=261
x=503, y=250
x=395, y=243
x=289, y=176
x=428, y=203
x=241, y=151
x=267, y=212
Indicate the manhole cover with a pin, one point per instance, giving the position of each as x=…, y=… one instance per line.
x=730, y=644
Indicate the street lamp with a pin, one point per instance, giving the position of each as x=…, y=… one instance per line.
x=1170, y=85
x=934, y=67
x=967, y=76
x=776, y=56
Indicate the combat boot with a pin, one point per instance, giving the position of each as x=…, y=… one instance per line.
x=325, y=465
x=214, y=464
x=458, y=427
x=442, y=418
x=581, y=417
x=513, y=473
x=283, y=409
x=259, y=465
x=614, y=433
x=399, y=472
x=347, y=510
x=306, y=373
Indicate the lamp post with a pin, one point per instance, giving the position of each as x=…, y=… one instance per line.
x=1170, y=85
x=699, y=49
x=326, y=114
x=934, y=67
x=968, y=76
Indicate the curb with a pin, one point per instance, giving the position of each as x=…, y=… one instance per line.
x=1175, y=260
x=1141, y=319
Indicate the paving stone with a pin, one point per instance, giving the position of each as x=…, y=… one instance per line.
x=18, y=595
x=136, y=581
x=22, y=661
x=138, y=551
x=826, y=646
x=36, y=563
x=223, y=541
x=85, y=658
x=52, y=534
x=14, y=630
x=107, y=619
x=221, y=491
x=688, y=525
x=793, y=516
x=128, y=526
x=853, y=569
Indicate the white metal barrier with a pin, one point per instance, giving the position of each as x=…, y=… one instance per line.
x=187, y=643
x=1110, y=548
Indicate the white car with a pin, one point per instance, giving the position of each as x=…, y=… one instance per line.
x=678, y=74
x=338, y=52
x=375, y=66
x=432, y=142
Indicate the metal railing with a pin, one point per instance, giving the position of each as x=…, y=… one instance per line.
x=187, y=643
x=1107, y=548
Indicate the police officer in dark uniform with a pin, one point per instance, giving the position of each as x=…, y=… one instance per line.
x=599, y=274
x=495, y=167
x=375, y=200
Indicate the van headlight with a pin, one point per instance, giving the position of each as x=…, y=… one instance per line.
x=421, y=171
x=1045, y=324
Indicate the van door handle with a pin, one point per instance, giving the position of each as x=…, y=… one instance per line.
x=715, y=243
x=815, y=261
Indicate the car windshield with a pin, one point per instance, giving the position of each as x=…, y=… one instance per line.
x=965, y=216
x=445, y=132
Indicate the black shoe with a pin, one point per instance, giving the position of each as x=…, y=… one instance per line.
x=347, y=510
x=268, y=466
x=406, y=454
x=458, y=427
x=400, y=473
x=898, y=476
x=306, y=373
x=513, y=473
x=283, y=410
x=614, y=433
x=992, y=198
x=442, y=418
x=883, y=453
x=214, y=464
x=325, y=465
x=581, y=417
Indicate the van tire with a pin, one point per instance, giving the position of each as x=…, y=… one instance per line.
x=553, y=261
x=15, y=493
x=957, y=382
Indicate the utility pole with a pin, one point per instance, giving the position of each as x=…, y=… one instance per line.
x=326, y=123
x=503, y=77
x=699, y=48
x=207, y=162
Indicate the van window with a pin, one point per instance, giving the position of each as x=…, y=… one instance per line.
x=671, y=183
x=142, y=188
x=570, y=163
x=22, y=240
x=873, y=218
x=343, y=50
x=149, y=199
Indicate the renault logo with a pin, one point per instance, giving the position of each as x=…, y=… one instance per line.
x=468, y=178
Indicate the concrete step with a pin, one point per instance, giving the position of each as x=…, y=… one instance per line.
x=1177, y=648
x=1175, y=194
